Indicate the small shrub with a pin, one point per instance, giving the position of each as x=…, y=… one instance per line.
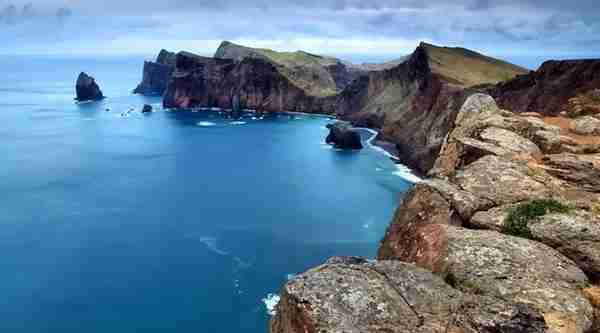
x=517, y=221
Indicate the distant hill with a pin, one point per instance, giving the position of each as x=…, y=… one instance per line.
x=318, y=75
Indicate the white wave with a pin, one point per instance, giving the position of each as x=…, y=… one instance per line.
x=406, y=174
x=216, y=109
x=402, y=171
x=211, y=244
x=291, y=276
x=271, y=302
x=206, y=123
x=237, y=123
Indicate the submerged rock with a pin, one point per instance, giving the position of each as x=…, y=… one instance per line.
x=87, y=89
x=147, y=108
x=343, y=136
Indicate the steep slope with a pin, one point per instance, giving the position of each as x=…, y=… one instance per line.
x=572, y=86
x=156, y=74
x=256, y=83
x=317, y=75
x=415, y=103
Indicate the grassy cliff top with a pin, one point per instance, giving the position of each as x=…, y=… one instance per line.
x=290, y=59
x=469, y=68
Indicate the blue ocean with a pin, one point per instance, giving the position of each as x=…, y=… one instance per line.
x=174, y=221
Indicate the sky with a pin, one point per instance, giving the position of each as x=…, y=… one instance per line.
x=359, y=30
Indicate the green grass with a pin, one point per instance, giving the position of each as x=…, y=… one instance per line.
x=517, y=221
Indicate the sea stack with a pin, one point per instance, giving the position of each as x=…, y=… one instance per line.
x=87, y=89
x=343, y=136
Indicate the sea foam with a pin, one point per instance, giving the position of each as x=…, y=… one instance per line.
x=206, y=123
x=271, y=302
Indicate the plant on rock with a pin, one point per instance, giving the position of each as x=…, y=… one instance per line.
x=517, y=221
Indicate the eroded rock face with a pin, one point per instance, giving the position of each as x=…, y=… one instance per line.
x=87, y=89
x=549, y=89
x=511, y=268
x=211, y=82
x=501, y=181
x=587, y=126
x=581, y=170
x=353, y=295
x=343, y=136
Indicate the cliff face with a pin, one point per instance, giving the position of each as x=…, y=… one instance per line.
x=503, y=237
x=413, y=107
x=555, y=87
x=156, y=74
x=258, y=84
x=317, y=75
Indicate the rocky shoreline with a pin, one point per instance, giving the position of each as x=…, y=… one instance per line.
x=450, y=261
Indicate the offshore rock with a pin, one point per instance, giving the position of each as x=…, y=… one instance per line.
x=87, y=89
x=343, y=136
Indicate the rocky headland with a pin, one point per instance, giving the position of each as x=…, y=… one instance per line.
x=86, y=89
x=156, y=74
x=503, y=236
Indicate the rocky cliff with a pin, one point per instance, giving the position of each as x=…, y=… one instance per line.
x=503, y=237
x=156, y=74
x=317, y=75
x=555, y=87
x=415, y=103
x=257, y=84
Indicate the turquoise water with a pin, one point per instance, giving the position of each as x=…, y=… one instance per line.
x=172, y=221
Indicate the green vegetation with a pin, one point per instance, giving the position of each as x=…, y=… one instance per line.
x=517, y=221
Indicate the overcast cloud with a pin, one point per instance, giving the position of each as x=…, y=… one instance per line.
x=380, y=28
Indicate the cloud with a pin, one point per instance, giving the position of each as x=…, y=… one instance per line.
x=378, y=27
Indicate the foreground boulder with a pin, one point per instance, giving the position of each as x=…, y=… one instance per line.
x=343, y=136
x=87, y=89
x=353, y=295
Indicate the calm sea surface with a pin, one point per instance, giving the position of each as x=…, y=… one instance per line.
x=167, y=222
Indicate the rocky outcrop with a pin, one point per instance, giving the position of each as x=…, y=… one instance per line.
x=415, y=103
x=343, y=136
x=147, y=108
x=555, y=87
x=87, y=89
x=353, y=295
x=156, y=74
x=212, y=82
x=455, y=224
x=501, y=218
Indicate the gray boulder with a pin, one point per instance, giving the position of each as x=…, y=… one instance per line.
x=355, y=296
